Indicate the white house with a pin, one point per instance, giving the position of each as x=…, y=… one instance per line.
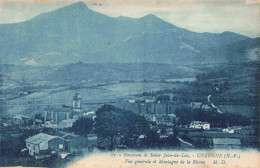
x=200, y=125
x=229, y=130
x=131, y=101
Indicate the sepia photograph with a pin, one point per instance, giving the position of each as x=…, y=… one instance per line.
x=129, y=83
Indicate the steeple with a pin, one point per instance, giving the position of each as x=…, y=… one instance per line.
x=77, y=102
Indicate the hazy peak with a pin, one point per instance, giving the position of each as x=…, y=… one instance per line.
x=78, y=5
x=149, y=16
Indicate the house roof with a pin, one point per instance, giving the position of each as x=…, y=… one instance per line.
x=39, y=138
x=226, y=141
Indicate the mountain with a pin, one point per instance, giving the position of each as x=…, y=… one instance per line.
x=76, y=33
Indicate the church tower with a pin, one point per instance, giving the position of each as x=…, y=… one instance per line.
x=77, y=103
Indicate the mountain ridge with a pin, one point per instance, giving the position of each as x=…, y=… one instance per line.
x=76, y=33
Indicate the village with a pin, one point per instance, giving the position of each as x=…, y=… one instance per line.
x=60, y=132
x=80, y=81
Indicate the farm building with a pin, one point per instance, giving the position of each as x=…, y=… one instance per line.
x=43, y=145
x=226, y=143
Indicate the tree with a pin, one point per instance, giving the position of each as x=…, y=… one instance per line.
x=83, y=126
x=112, y=123
x=201, y=143
x=153, y=139
x=184, y=115
x=172, y=140
x=163, y=131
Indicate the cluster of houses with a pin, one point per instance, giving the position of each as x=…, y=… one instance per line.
x=65, y=117
x=200, y=125
x=163, y=113
x=53, y=116
x=42, y=145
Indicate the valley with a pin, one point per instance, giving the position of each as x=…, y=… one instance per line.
x=30, y=94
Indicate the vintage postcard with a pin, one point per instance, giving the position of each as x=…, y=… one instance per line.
x=129, y=83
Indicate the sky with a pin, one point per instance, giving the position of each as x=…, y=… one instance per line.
x=239, y=16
